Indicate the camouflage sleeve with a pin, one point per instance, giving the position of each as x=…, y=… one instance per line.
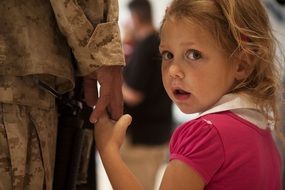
x=91, y=29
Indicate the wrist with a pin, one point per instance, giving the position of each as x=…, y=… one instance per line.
x=109, y=151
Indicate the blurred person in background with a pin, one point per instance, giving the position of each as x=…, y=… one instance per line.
x=145, y=99
x=128, y=40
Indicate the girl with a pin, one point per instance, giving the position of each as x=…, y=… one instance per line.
x=217, y=60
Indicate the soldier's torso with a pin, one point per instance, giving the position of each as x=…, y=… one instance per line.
x=30, y=41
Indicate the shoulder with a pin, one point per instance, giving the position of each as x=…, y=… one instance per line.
x=198, y=144
x=199, y=131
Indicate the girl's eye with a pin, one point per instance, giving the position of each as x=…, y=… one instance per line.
x=166, y=55
x=193, y=54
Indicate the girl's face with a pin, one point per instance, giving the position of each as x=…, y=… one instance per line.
x=196, y=72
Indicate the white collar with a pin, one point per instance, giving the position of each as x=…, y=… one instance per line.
x=241, y=105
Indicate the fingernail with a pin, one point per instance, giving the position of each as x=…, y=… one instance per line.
x=93, y=121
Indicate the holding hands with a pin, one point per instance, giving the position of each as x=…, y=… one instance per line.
x=110, y=98
x=110, y=135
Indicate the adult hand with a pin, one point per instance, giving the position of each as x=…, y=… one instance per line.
x=110, y=98
x=109, y=135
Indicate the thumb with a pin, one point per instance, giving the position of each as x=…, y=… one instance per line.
x=123, y=123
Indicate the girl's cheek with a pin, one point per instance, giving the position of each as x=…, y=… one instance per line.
x=164, y=70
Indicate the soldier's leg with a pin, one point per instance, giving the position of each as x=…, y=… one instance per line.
x=45, y=125
x=34, y=166
x=22, y=162
x=5, y=164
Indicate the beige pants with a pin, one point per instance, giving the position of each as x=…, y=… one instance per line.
x=144, y=161
x=27, y=147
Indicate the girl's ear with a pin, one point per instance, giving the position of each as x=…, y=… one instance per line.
x=244, y=66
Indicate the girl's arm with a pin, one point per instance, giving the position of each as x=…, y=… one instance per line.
x=109, y=137
x=118, y=173
x=179, y=175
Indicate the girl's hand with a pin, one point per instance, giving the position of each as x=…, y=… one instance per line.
x=109, y=135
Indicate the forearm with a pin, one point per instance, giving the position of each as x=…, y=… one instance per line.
x=119, y=174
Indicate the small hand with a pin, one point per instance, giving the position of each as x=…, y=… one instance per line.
x=109, y=135
x=111, y=98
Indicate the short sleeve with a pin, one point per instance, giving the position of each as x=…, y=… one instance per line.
x=198, y=144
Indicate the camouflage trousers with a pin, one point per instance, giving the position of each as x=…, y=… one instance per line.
x=27, y=147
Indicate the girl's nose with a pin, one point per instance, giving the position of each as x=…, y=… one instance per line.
x=175, y=71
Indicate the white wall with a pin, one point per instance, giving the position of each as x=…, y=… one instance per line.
x=158, y=9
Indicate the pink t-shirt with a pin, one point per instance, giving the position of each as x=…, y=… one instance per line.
x=228, y=152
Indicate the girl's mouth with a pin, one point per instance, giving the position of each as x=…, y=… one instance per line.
x=181, y=94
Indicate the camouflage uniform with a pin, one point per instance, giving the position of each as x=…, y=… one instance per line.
x=36, y=38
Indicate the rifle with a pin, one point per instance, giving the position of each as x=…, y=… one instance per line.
x=75, y=150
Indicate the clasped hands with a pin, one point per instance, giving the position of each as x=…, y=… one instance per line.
x=109, y=98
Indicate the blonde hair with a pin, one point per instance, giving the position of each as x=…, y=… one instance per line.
x=241, y=27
